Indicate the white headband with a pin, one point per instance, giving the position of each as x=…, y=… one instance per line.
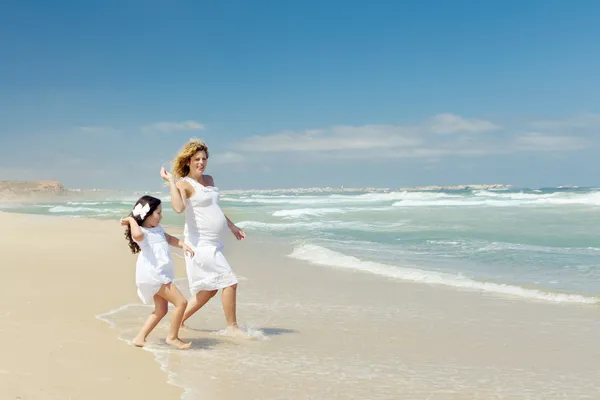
x=139, y=211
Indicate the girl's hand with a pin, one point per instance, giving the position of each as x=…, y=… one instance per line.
x=187, y=250
x=166, y=175
x=237, y=232
x=125, y=221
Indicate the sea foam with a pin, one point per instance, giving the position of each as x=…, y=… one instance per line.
x=323, y=256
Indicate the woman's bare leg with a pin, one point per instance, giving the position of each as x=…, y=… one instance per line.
x=228, y=298
x=160, y=310
x=170, y=293
x=196, y=302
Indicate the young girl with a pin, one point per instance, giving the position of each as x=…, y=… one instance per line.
x=154, y=268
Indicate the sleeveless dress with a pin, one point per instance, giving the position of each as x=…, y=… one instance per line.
x=154, y=265
x=204, y=225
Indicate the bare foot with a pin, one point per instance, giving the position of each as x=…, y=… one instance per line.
x=178, y=343
x=234, y=331
x=139, y=342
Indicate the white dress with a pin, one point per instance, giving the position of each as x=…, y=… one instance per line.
x=204, y=225
x=154, y=265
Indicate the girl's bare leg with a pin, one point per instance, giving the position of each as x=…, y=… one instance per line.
x=228, y=298
x=196, y=302
x=170, y=293
x=160, y=310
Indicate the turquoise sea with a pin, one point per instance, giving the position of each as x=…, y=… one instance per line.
x=541, y=244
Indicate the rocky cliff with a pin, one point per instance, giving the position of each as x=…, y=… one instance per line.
x=14, y=189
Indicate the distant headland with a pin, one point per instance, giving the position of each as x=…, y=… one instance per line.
x=43, y=190
x=14, y=189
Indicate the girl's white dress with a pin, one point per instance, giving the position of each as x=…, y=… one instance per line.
x=154, y=265
x=204, y=225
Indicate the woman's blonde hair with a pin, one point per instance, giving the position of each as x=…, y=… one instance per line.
x=181, y=160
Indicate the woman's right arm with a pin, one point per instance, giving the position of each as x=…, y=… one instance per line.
x=178, y=196
x=178, y=191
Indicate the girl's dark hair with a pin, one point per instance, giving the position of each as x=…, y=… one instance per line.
x=153, y=202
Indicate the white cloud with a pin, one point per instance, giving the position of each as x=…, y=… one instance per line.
x=174, y=126
x=444, y=135
x=580, y=121
x=228, y=157
x=399, y=140
x=451, y=123
x=365, y=137
x=336, y=138
x=540, y=142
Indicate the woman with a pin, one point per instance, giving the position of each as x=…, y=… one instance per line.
x=196, y=194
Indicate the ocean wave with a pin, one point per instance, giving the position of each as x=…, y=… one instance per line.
x=315, y=212
x=322, y=225
x=425, y=199
x=84, y=203
x=302, y=212
x=77, y=210
x=323, y=256
x=590, y=198
x=509, y=200
x=343, y=198
x=471, y=246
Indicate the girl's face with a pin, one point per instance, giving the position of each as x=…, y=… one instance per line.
x=154, y=219
x=198, y=163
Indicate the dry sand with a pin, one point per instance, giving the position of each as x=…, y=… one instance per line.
x=57, y=275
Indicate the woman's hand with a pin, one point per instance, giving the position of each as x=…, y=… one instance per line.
x=187, y=250
x=125, y=221
x=237, y=232
x=166, y=175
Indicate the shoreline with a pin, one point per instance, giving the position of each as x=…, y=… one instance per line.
x=356, y=335
x=502, y=289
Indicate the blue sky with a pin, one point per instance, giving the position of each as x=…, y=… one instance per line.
x=305, y=93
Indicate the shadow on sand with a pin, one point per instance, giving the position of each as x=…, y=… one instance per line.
x=276, y=331
x=202, y=343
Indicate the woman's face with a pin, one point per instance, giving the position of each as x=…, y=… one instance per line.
x=198, y=163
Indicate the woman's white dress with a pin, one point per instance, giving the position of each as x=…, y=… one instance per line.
x=154, y=265
x=204, y=225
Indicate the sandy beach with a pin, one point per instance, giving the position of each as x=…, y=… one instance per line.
x=319, y=332
x=58, y=274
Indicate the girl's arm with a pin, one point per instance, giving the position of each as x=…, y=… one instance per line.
x=173, y=241
x=136, y=231
x=178, y=193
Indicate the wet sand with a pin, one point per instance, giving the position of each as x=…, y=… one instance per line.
x=340, y=334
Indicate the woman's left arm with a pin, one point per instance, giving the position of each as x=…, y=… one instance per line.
x=237, y=232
